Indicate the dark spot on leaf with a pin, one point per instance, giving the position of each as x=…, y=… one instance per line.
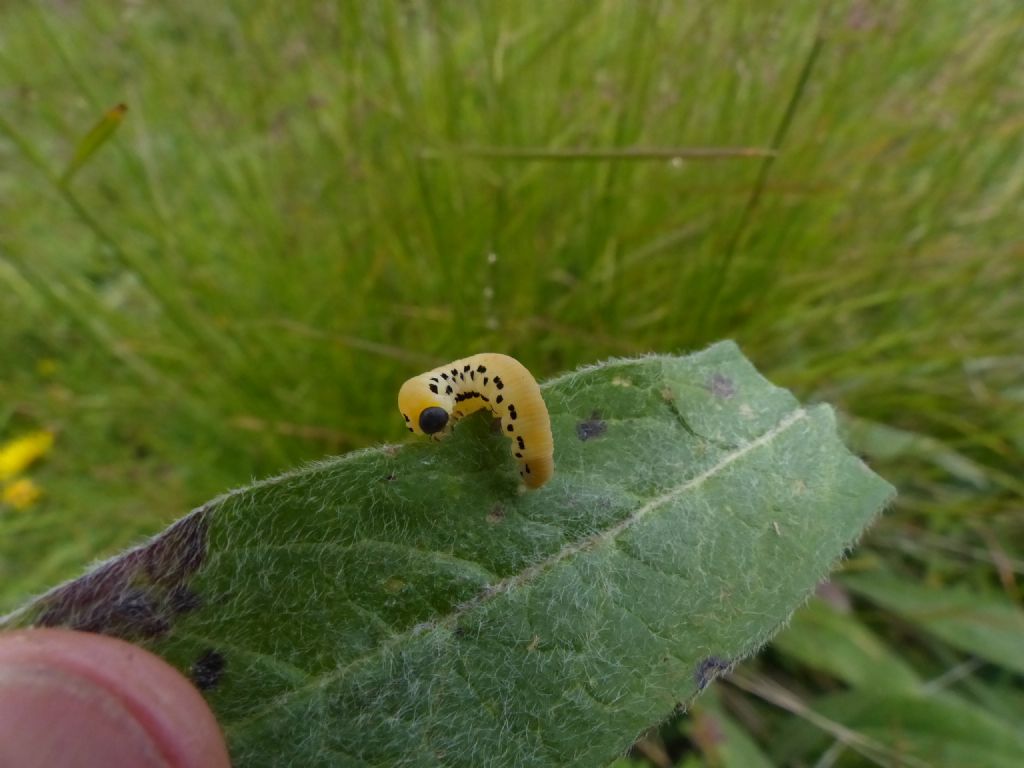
x=590, y=428
x=708, y=669
x=133, y=612
x=496, y=515
x=183, y=600
x=208, y=669
x=721, y=386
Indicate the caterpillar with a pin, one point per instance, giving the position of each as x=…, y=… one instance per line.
x=432, y=402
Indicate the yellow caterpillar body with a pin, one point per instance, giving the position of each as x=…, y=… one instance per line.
x=433, y=401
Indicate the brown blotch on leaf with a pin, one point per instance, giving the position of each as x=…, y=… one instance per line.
x=208, y=669
x=590, y=428
x=178, y=552
x=721, y=386
x=137, y=595
x=133, y=613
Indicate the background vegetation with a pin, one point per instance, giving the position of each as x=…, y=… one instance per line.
x=304, y=206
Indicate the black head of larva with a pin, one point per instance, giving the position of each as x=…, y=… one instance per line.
x=433, y=420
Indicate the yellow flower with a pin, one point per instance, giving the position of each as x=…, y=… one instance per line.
x=21, y=493
x=18, y=454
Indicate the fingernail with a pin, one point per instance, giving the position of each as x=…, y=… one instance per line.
x=52, y=717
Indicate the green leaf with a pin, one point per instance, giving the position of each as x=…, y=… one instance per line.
x=884, y=443
x=987, y=625
x=936, y=731
x=413, y=606
x=722, y=741
x=839, y=644
x=97, y=136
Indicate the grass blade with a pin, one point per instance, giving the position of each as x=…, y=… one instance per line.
x=91, y=143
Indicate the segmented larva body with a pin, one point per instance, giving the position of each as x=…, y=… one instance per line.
x=433, y=401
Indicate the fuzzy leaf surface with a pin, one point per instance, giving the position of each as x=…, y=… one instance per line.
x=411, y=606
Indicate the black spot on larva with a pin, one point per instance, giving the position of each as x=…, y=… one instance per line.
x=708, y=669
x=498, y=382
x=411, y=429
x=590, y=428
x=499, y=399
x=455, y=372
x=522, y=443
x=208, y=670
x=448, y=390
x=721, y=386
x=407, y=418
x=485, y=398
x=519, y=455
x=466, y=368
x=434, y=379
x=486, y=379
x=481, y=369
x=526, y=468
x=444, y=376
x=433, y=388
x=510, y=428
x=137, y=595
x=472, y=375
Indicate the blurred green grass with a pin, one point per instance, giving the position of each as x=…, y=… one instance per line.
x=296, y=214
